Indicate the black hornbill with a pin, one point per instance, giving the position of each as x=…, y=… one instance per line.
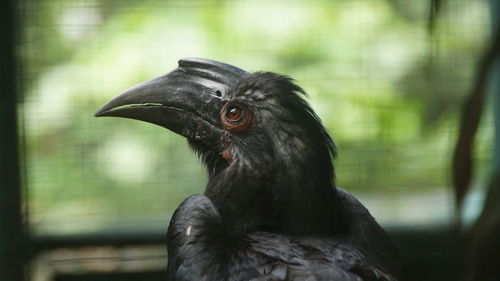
x=271, y=210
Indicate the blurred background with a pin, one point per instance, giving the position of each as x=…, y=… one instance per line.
x=98, y=193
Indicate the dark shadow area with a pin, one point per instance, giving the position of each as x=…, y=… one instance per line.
x=128, y=276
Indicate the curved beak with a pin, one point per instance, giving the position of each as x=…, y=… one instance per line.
x=187, y=100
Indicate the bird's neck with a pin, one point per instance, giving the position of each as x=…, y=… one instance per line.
x=243, y=201
x=292, y=200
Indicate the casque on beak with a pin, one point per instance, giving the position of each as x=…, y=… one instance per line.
x=186, y=101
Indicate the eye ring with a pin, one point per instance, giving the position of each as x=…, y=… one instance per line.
x=236, y=117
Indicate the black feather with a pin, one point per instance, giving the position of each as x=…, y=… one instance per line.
x=200, y=249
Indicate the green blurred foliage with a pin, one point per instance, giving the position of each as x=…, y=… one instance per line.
x=389, y=94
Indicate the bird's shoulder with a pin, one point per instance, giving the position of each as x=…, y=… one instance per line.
x=363, y=231
x=199, y=249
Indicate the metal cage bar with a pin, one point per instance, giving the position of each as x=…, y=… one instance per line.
x=12, y=242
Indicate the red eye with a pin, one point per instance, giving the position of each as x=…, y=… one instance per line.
x=233, y=112
x=236, y=118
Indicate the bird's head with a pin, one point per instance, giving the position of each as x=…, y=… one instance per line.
x=240, y=123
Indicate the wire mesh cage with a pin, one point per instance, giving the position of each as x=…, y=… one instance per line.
x=387, y=90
